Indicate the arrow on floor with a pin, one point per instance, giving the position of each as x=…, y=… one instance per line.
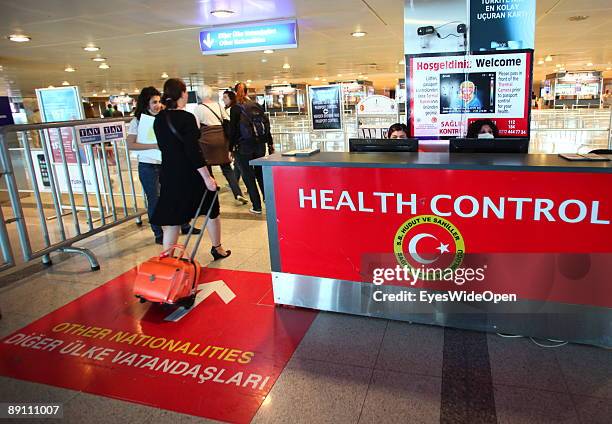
x=204, y=291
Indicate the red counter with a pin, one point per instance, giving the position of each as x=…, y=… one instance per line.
x=536, y=228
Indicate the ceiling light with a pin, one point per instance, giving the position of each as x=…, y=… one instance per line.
x=103, y=66
x=268, y=51
x=249, y=81
x=286, y=66
x=339, y=75
x=360, y=76
x=324, y=79
x=222, y=13
x=275, y=81
x=548, y=58
x=65, y=83
x=316, y=78
x=608, y=69
x=91, y=48
x=94, y=95
x=135, y=91
x=401, y=62
x=577, y=18
x=122, y=93
x=98, y=59
x=164, y=75
x=264, y=60
x=19, y=38
x=284, y=82
x=51, y=86
x=358, y=34
x=103, y=91
x=589, y=64
x=69, y=69
x=541, y=62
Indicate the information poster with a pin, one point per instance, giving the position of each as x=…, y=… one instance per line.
x=502, y=24
x=326, y=107
x=447, y=93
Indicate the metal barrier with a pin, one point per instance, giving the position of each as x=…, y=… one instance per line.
x=72, y=177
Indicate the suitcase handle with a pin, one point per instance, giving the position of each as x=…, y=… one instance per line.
x=168, y=252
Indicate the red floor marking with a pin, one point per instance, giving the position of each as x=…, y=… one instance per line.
x=223, y=362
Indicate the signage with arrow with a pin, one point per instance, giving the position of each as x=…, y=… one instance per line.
x=252, y=37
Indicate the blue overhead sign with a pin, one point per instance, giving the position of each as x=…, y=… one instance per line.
x=244, y=38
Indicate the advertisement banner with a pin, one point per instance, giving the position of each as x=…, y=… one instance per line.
x=502, y=25
x=326, y=107
x=528, y=223
x=59, y=104
x=87, y=134
x=6, y=114
x=447, y=93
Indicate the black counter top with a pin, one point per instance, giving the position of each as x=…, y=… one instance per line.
x=434, y=160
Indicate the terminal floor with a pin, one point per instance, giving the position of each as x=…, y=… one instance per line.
x=347, y=369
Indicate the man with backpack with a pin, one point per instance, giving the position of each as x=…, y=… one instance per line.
x=250, y=133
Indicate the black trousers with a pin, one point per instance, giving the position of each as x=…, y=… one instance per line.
x=252, y=175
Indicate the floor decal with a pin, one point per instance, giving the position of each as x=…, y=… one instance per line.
x=218, y=360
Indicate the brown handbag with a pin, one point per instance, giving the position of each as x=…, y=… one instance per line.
x=214, y=142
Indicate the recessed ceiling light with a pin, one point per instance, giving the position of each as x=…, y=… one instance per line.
x=51, y=86
x=264, y=60
x=249, y=81
x=69, y=69
x=91, y=48
x=135, y=91
x=164, y=75
x=103, y=91
x=589, y=64
x=103, y=66
x=122, y=93
x=358, y=34
x=548, y=58
x=65, y=83
x=94, y=95
x=608, y=69
x=339, y=75
x=222, y=13
x=286, y=66
x=324, y=79
x=558, y=65
x=401, y=62
x=316, y=78
x=577, y=18
x=98, y=59
x=360, y=76
x=19, y=38
x=268, y=51
x=541, y=62
x=284, y=82
x=275, y=81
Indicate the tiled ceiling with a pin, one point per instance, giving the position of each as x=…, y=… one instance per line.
x=143, y=38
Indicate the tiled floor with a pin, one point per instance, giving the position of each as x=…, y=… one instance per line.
x=347, y=369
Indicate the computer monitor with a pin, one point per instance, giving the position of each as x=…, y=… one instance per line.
x=489, y=145
x=383, y=145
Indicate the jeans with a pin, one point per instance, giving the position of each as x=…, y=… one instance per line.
x=252, y=175
x=148, y=173
x=230, y=176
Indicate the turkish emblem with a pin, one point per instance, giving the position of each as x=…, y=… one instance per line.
x=428, y=241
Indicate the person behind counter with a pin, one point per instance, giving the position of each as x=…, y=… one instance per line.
x=397, y=131
x=482, y=128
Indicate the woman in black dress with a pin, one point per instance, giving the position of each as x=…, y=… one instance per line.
x=184, y=177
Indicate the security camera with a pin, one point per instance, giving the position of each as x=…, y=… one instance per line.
x=461, y=29
x=462, y=41
x=426, y=30
x=425, y=33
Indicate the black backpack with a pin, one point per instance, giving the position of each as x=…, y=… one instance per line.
x=254, y=124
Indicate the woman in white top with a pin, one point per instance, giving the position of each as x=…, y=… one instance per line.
x=211, y=113
x=149, y=155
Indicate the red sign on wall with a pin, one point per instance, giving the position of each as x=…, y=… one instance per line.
x=219, y=361
x=533, y=216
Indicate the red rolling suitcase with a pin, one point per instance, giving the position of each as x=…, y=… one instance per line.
x=172, y=278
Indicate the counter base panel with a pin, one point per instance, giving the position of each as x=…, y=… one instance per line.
x=559, y=321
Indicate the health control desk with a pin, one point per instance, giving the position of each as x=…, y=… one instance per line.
x=510, y=243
